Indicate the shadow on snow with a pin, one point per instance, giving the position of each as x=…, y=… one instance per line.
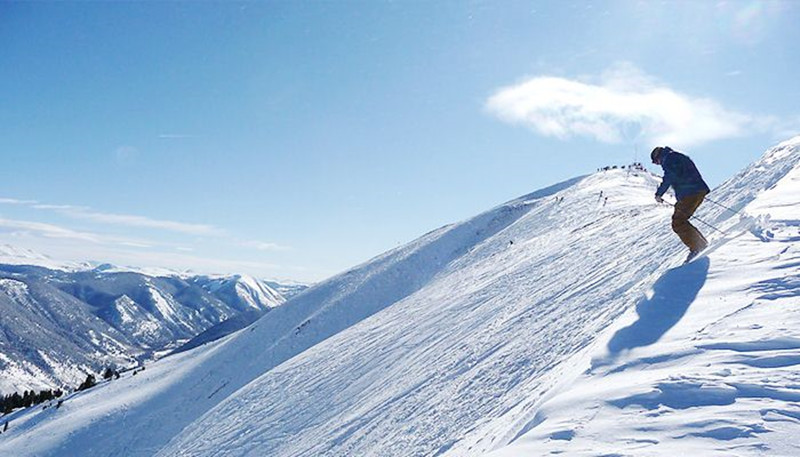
x=672, y=295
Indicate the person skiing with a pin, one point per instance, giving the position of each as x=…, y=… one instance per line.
x=690, y=190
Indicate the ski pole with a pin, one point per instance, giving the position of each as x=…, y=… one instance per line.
x=706, y=223
x=722, y=206
x=699, y=220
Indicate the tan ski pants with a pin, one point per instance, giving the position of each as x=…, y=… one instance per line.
x=688, y=233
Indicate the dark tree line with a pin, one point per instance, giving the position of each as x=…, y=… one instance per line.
x=29, y=398
x=110, y=373
x=89, y=383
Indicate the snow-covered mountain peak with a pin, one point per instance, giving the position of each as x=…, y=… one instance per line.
x=779, y=199
x=16, y=255
x=786, y=150
x=6, y=250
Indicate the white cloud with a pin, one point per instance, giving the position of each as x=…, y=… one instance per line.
x=65, y=244
x=14, y=201
x=139, y=221
x=86, y=213
x=60, y=207
x=47, y=230
x=625, y=105
x=18, y=227
x=263, y=246
x=77, y=244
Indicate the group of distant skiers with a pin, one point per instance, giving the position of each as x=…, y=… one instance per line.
x=634, y=166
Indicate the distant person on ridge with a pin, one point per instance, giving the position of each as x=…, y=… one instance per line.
x=690, y=190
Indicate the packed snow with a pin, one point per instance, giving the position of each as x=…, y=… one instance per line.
x=561, y=322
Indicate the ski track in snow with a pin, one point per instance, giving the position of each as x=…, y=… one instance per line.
x=557, y=323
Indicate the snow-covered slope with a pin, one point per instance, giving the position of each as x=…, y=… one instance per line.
x=456, y=343
x=478, y=298
x=485, y=319
x=707, y=363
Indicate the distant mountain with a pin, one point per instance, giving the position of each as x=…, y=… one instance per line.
x=57, y=325
x=246, y=291
x=288, y=289
x=15, y=255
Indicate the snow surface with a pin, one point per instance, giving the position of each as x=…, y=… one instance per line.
x=560, y=322
x=707, y=363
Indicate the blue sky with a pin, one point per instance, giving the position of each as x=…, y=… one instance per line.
x=296, y=139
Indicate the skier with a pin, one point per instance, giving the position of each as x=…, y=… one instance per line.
x=690, y=190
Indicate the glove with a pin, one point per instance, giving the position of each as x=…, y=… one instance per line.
x=659, y=199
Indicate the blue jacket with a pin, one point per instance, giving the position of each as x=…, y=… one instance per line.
x=680, y=173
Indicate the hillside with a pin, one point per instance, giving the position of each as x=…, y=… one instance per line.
x=59, y=324
x=459, y=342
x=707, y=362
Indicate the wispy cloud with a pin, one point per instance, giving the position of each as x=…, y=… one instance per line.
x=262, y=245
x=129, y=220
x=14, y=201
x=19, y=227
x=139, y=221
x=123, y=220
x=59, y=207
x=623, y=105
x=70, y=245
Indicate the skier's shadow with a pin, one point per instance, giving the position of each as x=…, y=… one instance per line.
x=672, y=295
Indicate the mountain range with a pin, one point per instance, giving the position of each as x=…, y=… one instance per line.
x=62, y=321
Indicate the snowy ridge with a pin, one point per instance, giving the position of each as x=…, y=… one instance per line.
x=753, y=181
x=707, y=363
x=557, y=322
x=247, y=290
x=15, y=255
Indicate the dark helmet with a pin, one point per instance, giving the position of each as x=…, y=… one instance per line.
x=655, y=156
